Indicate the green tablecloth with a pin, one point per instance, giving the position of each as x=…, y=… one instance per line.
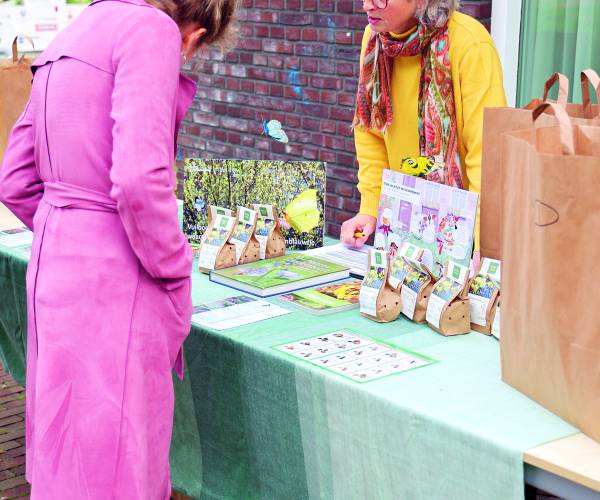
x=252, y=423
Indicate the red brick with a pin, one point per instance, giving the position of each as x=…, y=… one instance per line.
x=347, y=100
x=234, y=124
x=328, y=97
x=344, y=114
x=262, y=16
x=344, y=189
x=327, y=156
x=323, y=82
x=292, y=121
x=347, y=69
x=346, y=159
x=279, y=46
x=343, y=37
x=340, y=217
x=333, y=229
x=480, y=9
x=293, y=34
x=351, y=205
x=309, y=65
x=343, y=174
x=332, y=200
x=309, y=34
x=296, y=19
x=326, y=66
x=260, y=31
x=277, y=32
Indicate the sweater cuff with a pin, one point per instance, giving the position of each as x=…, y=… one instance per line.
x=369, y=205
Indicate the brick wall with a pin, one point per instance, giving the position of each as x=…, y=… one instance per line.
x=297, y=62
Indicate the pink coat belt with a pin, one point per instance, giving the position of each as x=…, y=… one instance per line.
x=65, y=195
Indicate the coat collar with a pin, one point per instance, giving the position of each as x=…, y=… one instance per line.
x=141, y=3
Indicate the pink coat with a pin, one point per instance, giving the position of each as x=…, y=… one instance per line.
x=89, y=168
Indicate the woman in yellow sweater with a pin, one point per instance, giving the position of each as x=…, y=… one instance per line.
x=427, y=73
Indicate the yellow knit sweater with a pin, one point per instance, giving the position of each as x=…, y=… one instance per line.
x=477, y=82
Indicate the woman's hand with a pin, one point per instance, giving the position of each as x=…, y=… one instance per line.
x=362, y=224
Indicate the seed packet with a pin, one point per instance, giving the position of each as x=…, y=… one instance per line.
x=484, y=296
x=215, y=250
x=416, y=290
x=378, y=300
x=247, y=247
x=268, y=232
x=448, y=309
x=399, y=267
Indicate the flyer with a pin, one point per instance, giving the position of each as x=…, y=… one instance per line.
x=439, y=219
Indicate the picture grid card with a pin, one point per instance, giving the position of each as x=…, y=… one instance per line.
x=235, y=311
x=358, y=358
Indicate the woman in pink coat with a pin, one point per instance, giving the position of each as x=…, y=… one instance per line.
x=89, y=168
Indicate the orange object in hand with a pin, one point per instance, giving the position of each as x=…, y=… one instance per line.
x=359, y=235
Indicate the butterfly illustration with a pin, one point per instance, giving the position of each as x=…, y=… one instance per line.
x=274, y=130
x=302, y=214
x=199, y=204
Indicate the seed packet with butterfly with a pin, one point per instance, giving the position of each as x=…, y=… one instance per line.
x=268, y=232
x=399, y=268
x=448, y=308
x=484, y=296
x=247, y=247
x=378, y=300
x=216, y=252
x=416, y=290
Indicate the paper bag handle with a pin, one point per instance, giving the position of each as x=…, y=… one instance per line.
x=563, y=88
x=564, y=124
x=589, y=77
x=15, y=50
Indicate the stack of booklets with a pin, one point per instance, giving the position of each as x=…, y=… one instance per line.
x=266, y=278
x=326, y=299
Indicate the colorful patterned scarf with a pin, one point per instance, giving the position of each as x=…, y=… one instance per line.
x=437, y=119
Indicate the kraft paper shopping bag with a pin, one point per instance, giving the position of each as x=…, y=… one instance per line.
x=550, y=347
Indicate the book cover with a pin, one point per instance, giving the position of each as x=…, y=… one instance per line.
x=291, y=269
x=332, y=298
x=296, y=188
x=439, y=219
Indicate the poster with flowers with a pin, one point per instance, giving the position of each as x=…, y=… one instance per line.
x=439, y=219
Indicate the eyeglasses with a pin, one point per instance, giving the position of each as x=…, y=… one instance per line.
x=378, y=4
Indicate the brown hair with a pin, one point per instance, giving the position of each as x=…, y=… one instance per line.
x=217, y=16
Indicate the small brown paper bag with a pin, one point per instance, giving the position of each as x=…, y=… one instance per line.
x=215, y=250
x=448, y=309
x=484, y=296
x=416, y=290
x=247, y=247
x=268, y=232
x=378, y=299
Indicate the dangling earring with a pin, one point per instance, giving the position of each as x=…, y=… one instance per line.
x=184, y=57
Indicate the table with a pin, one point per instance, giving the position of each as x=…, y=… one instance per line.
x=252, y=423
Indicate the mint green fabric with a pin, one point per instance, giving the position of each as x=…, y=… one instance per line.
x=557, y=35
x=13, y=313
x=254, y=423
